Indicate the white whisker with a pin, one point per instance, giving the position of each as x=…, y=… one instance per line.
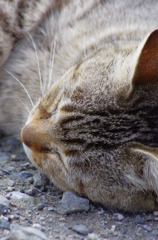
x=26, y=107
x=39, y=72
x=21, y=85
x=52, y=61
x=86, y=157
x=84, y=47
x=44, y=76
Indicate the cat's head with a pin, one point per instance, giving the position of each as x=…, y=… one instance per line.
x=69, y=123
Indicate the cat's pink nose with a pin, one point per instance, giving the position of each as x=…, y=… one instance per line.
x=35, y=135
x=25, y=136
x=31, y=136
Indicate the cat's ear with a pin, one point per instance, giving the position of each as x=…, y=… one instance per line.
x=146, y=70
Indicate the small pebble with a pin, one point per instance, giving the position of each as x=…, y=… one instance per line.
x=10, y=189
x=155, y=213
x=16, y=216
x=82, y=229
x=4, y=205
x=119, y=216
x=15, y=158
x=149, y=218
x=3, y=158
x=30, y=180
x=25, y=174
x=40, y=206
x=72, y=203
x=154, y=232
x=4, y=224
x=42, y=228
x=25, y=165
x=5, y=172
x=22, y=190
x=21, y=198
x=18, y=232
x=50, y=209
x=138, y=219
x=31, y=192
x=113, y=228
x=40, y=179
x=147, y=228
x=138, y=234
x=36, y=225
x=7, y=182
x=92, y=236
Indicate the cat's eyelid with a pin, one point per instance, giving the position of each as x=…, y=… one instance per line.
x=53, y=112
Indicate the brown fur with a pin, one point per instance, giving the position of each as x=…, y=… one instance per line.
x=94, y=130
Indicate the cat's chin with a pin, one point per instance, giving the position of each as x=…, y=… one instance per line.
x=28, y=152
x=34, y=157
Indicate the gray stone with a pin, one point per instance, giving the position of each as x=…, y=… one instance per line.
x=40, y=206
x=51, y=209
x=92, y=236
x=5, y=171
x=119, y=216
x=138, y=219
x=7, y=182
x=40, y=179
x=15, y=158
x=25, y=174
x=20, y=198
x=149, y=218
x=31, y=192
x=30, y=180
x=15, y=176
x=154, y=232
x=4, y=224
x=81, y=229
x=72, y=203
x=4, y=205
x=138, y=234
x=3, y=158
x=24, y=233
x=147, y=228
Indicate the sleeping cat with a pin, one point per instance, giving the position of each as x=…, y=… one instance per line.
x=81, y=78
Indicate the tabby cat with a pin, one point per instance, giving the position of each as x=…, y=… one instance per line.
x=81, y=78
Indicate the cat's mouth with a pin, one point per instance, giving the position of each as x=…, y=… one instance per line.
x=36, y=146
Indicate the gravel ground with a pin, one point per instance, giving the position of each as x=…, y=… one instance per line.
x=30, y=200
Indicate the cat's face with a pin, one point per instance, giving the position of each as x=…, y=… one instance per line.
x=62, y=122
x=69, y=122
x=86, y=128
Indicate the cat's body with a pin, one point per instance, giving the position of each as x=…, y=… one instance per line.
x=95, y=129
